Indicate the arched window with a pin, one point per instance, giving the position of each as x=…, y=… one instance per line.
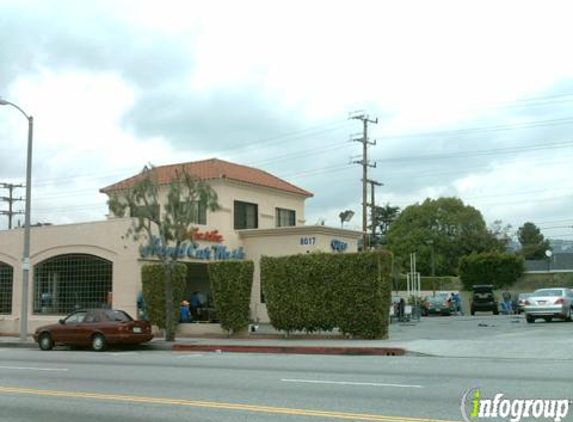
x=68, y=282
x=6, y=283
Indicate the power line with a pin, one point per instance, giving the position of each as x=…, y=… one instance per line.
x=476, y=153
x=10, y=199
x=482, y=129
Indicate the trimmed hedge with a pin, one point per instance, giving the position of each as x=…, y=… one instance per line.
x=153, y=283
x=322, y=291
x=231, y=283
x=499, y=269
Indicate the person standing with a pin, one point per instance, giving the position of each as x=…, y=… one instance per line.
x=506, y=303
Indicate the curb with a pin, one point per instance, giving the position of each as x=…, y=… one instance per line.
x=300, y=350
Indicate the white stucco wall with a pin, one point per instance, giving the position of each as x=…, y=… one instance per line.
x=107, y=239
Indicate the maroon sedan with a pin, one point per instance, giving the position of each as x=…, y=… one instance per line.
x=95, y=327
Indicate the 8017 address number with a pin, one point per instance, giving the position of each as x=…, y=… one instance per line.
x=306, y=241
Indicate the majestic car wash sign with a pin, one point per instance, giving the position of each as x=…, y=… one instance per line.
x=190, y=250
x=210, y=236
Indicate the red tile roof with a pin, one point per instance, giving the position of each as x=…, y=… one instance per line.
x=216, y=169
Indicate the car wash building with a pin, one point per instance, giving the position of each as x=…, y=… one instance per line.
x=95, y=264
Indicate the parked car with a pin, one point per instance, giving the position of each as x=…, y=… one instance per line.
x=94, y=327
x=518, y=303
x=437, y=305
x=483, y=299
x=548, y=304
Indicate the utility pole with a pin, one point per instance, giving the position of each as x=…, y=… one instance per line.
x=10, y=199
x=373, y=217
x=365, y=164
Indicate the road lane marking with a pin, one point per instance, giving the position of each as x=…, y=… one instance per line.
x=30, y=368
x=369, y=384
x=193, y=355
x=214, y=405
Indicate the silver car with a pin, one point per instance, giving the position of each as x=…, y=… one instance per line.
x=548, y=304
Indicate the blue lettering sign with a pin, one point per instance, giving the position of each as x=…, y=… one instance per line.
x=189, y=250
x=338, y=245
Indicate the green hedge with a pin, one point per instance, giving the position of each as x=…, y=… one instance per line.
x=499, y=269
x=153, y=283
x=231, y=283
x=321, y=291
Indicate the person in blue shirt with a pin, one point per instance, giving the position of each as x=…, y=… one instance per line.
x=184, y=315
x=141, y=307
x=195, y=304
x=457, y=303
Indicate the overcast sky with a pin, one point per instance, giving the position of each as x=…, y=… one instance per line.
x=473, y=99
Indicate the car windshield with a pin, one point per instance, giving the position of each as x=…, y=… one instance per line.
x=437, y=299
x=548, y=293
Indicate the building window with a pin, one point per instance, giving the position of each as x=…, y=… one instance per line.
x=66, y=283
x=246, y=215
x=285, y=218
x=6, y=282
x=199, y=213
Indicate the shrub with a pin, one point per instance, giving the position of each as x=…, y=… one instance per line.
x=322, y=291
x=499, y=269
x=153, y=284
x=231, y=283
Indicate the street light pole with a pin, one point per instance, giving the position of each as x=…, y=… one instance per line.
x=26, y=252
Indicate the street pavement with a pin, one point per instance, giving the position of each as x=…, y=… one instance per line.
x=480, y=336
x=141, y=385
x=445, y=356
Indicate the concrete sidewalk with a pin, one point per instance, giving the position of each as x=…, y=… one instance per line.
x=477, y=337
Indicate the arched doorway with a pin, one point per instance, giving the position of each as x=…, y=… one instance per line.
x=65, y=283
x=6, y=286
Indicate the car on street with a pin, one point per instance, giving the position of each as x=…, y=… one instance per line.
x=437, y=305
x=483, y=299
x=548, y=304
x=97, y=328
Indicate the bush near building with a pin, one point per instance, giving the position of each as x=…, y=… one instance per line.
x=499, y=269
x=153, y=284
x=321, y=291
x=231, y=283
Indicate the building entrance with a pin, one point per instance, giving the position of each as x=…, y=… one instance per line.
x=198, y=293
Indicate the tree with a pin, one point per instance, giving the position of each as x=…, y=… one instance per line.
x=533, y=244
x=501, y=233
x=385, y=216
x=165, y=228
x=448, y=226
x=499, y=269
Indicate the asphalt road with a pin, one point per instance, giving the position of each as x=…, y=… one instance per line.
x=69, y=385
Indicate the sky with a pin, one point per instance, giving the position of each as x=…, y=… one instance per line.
x=474, y=99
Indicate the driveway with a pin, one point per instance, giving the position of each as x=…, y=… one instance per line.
x=485, y=336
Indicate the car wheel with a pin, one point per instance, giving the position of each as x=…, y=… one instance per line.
x=529, y=319
x=496, y=311
x=98, y=342
x=548, y=318
x=45, y=342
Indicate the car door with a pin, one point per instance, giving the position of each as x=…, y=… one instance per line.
x=69, y=331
